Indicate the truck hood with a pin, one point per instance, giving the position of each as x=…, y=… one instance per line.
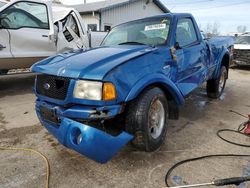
x=92, y=64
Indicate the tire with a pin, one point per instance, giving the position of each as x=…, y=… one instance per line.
x=146, y=119
x=215, y=87
x=3, y=72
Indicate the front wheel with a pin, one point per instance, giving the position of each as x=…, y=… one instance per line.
x=146, y=119
x=215, y=87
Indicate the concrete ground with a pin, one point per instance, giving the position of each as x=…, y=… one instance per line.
x=194, y=134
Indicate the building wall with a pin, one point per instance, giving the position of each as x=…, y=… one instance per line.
x=128, y=12
x=91, y=19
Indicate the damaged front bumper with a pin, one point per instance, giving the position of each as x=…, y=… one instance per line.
x=86, y=140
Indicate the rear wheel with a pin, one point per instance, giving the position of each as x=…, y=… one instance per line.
x=146, y=119
x=215, y=87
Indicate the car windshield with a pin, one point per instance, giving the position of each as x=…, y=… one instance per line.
x=2, y=4
x=242, y=40
x=151, y=32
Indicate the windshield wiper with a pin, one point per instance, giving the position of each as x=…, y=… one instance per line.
x=132, y=43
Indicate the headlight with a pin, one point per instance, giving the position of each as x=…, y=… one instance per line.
x=88, y=90
x=93, y=90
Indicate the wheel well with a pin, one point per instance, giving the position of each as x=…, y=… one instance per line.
x=172, y=104
x=225, y=61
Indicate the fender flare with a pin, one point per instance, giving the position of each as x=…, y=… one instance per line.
x=156, y=79
x=219, y=61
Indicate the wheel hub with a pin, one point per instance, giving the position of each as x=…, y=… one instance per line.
x=156, y=119
x=222, y=82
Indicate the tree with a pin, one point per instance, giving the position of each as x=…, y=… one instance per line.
x=242, y=28
x=212, y=30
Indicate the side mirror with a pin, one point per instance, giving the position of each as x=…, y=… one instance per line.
x=177, y=46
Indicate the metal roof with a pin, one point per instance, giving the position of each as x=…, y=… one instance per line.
x=109, y=4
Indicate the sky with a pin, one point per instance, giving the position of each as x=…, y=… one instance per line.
x=227, y=14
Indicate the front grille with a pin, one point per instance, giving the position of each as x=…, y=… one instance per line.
x=52, y=86
x=242, y=55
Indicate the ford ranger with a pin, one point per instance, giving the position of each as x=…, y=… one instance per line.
x=98, y=100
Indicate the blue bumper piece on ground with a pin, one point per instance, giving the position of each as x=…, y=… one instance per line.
x=88, y=141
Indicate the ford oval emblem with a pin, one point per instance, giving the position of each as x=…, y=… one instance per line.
x=46, y=86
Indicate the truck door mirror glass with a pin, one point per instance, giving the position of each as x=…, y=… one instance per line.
x=177, y=46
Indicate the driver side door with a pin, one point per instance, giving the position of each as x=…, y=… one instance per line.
x=192, y=71
x=31, y=33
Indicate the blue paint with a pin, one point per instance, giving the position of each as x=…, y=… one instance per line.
x=96, y=144
x=131, y=68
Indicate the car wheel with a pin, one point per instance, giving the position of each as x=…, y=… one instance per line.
x=215, y=87
x=3, y=71
x=146, y=119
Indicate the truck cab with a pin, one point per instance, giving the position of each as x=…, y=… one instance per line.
x=95, y=101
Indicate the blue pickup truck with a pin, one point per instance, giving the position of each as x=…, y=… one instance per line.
x=96, y=101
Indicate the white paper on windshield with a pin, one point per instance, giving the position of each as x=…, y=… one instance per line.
x=155, y=27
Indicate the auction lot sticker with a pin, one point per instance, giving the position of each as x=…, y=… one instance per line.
x=155, y=27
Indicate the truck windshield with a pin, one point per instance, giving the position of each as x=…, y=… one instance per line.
x=242, y=40
x=151, y=32
x=2, y=4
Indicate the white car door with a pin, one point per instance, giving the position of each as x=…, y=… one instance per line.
x=5, y=53
x=31, y=30
x=72, y=33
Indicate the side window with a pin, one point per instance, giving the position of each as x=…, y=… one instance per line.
x=107, y=28
x=25, y=14
x=92, y=27
x=185, y=33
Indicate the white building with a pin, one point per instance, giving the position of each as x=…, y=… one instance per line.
x=102, y=16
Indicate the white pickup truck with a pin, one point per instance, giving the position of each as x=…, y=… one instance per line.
x=33, y=30
x=242, y=50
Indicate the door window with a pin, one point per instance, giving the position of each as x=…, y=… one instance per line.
x=107, y=28
x=185, y=34
x=92, y=27
x=25, y=14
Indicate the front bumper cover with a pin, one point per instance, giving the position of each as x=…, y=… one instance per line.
x=95, y=144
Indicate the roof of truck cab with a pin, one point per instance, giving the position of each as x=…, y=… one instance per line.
x=170, y=15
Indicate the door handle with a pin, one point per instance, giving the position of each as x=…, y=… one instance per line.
x=2, y=47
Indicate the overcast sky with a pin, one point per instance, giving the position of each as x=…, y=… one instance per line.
x=229, y=14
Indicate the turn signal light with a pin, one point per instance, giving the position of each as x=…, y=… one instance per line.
x=109, y=92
